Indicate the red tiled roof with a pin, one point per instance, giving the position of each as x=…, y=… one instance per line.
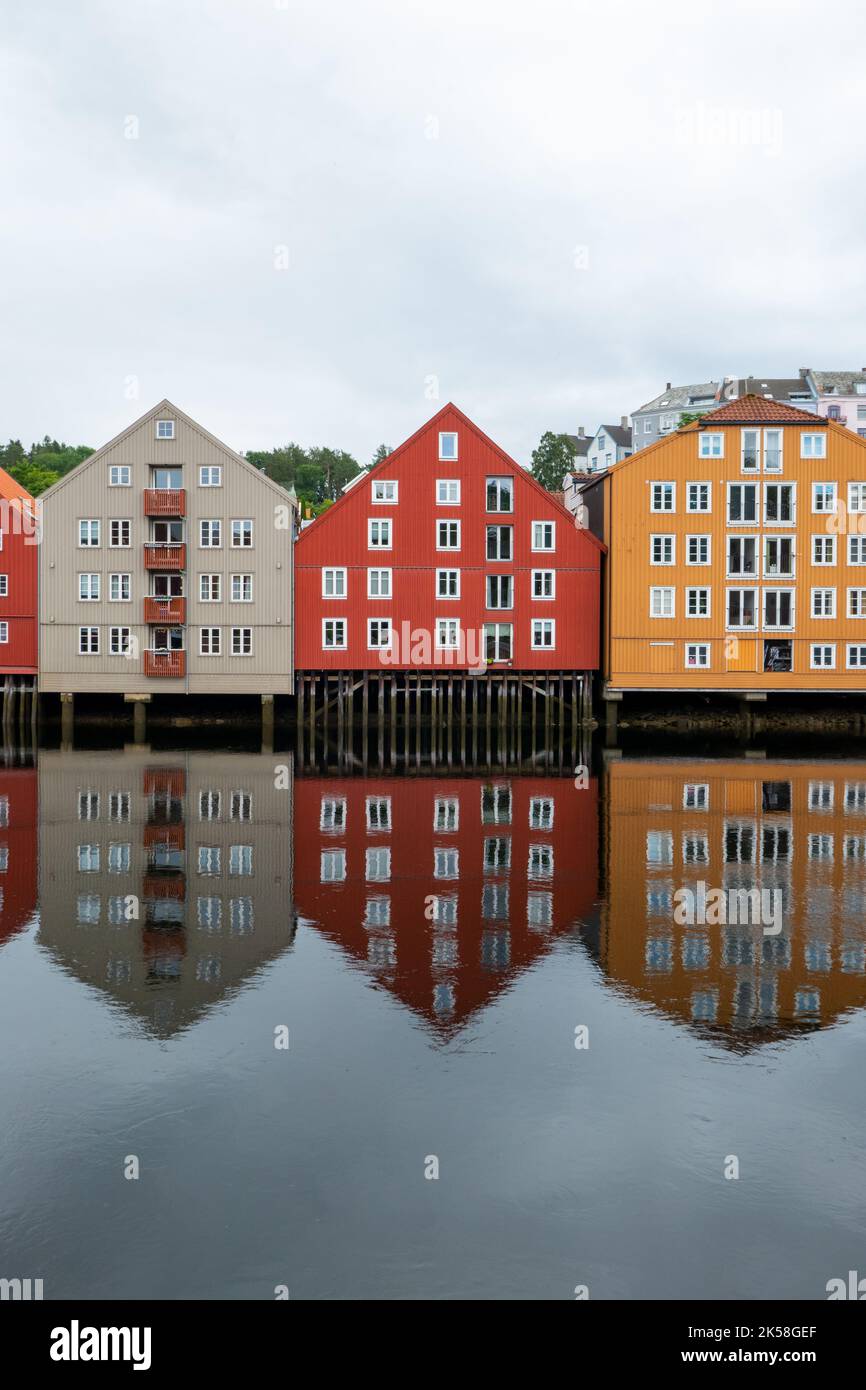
x=754, y=410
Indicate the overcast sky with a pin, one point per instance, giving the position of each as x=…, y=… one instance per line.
x=301, y=220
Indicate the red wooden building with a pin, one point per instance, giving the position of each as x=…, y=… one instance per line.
x=447, y=557
x=18, y=583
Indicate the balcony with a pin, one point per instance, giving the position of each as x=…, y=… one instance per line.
x=171, y=611
x=171, y=837
x=165, y=501
x=159, y=556
x=164, y=663
x=156, y=885
x=165, y=781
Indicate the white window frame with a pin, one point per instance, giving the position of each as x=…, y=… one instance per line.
x=742, y=574
x=212, y=650
x=444, y=455
x=808, y=440
x=89, y=576
x=540, y=626
x=443, y=484
x=380, y=596
x=384, y=486
x=822, y=647
x=819, y=488
x=742, y=521
x=115, y=641
x=165, y=429
x=206, y=581
x=536, y=575
x=337, y=572
x=447, y=598
x=451, y=626
x=237, y=636
x=119, y=522
x=381, y=526
x=711, y=444
x=743, y=589
x=544, y=549
x=657, y=590
x=746, y=430
x=205, y=472
x=443, y=527
x=855, y=665
x=857, y=497
x=822, y=543
x=88, y=650
x=340, y=624
x=857, y=544
x=778, y=590
x=822, y=617
x=237, y=541
x=114, y=472
x=698, y=537
x=699, y=589
x=119, y=575
x=699, y=511
x=697, y=665
x=792, y=487
x=859, y=603
x=662, y=492
x=663, y=536
x=379, y=646
x=237, y=581
x=214, y=528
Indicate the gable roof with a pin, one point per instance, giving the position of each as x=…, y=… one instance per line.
x=580, y=443
x=620, y=434
x=395, y=456
x=165, y=405
x=681, y=397
x=777, y=388
x=838, y=383
x=757, y=410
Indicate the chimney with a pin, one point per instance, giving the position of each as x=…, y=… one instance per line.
x=623, y=420
x=581, y=433
x=668, y=387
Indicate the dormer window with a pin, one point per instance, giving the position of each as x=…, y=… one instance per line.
x=448, y=446
x=165, y=429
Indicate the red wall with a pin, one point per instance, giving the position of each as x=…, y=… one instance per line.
x=339, y=538
x=18, y=560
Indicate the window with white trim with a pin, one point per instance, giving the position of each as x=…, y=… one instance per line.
x=88, y=533
x=742, y=556
x=662, y=550
x=856, y=656
x=446, y=814
x=857, y=497
x=823, y=497
x=821, y=796
x=813, y=446
x=662, y=497
x=857, y=550
x=242, y=641
x=210, y=475
x=4, y=586
x=447, y=445
x=120, y=588
x=165, y=429
x=334, y=634
x=544, y=584
x=778, y=557
x=332, y=814
x=711, y=446
x=500, y=591
x=773, y=451
x=662, y=602
x=209, y=641
x=378, y=583
x=378, y=633
x=89, y=587
x=500, y=494
x=242, y=588
x=385, y=490
x=499, y=542
x=88, y=641
x=697, y=655
x=699, y=497
x=448, y=492
x=778, y=608
x=543, y=634
x=544, y=535
x=823, y=603
x=447, y=583
x=447, y=535
x=696, y=796
x=334, y=582
x=379, y=533
x=242, y=534
x=210, y=535
x=697, y=550
x=447, y=634
x=698, y=603
x=742, y=608
x=823, y=550
x=119, y=640
x=4, y=637
x=498, y=641
x=120, y=475
x=750, y=450
x=210, y=588
x=742, y=503
x=857, y=603
x=119, y=533
x=780, y=504
x=378, y=810
x=823, y=656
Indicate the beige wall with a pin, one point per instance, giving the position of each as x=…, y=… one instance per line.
x=245, y=493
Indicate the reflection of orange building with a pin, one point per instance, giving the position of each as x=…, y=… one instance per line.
x=737, y=824
x=445, y=887
x=18, y=848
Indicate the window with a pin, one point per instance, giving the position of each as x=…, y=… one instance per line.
x=823, y=497
x=711, y=446
x=544, y=584
x=823, y=656
x=544, y=535
x=823, y=550
x=699, y=497
x=447, y=446
x=120, y=588
x=447, y=583
x=120, y=475
x=210, y=535
x=742, y=502
x=856, y=658
x=772, y=451
x=88, y=533
x=696, y=796
x=242, y=534
x=857, y=550
x=4, y=586
x=823, y=603
x=242, y=641
x=697, y=603
x=88, y=587
x=857, y=603
x=210, y=476
x=333, y=583
x=448, y=492
x=742, y=608
x=332, y=866
x=446, y=814
x=334, y=633
x=4, y=637
x=209, y=641
x=498, y=641
x=240, y=860
x=662, y=550
x=166, y=532
x=780, y=503
x=120, y=641
x=499, y=542
x=543, y=634
x=778, y=557
x=378, y=633
x=447, y=634
x=210, y=588
x=750, y=451
x=378, y=534
x=813, y=446
x=697, y=550
x=500, y=494
x=209, y=859
x=821, y=796
x=378, y=583
x=447, y=535
x=698, y=655
x=165, y=429
x=857, y=497
x=500, y=591
x=332, y=813
x=169, y=479
x=778, y=608
x=661, y=602
x=662, y=497
x=88, y=641
x=242, y=588
x=742, y=552
x=384, y=490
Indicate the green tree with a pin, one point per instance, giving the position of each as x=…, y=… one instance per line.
x=688, y=417
x=381, y=453
x=553, y=458
x=33, y=477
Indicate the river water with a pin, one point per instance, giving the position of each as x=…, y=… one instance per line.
x=429, y=1033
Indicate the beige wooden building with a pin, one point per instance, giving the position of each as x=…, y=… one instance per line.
x=166, y=568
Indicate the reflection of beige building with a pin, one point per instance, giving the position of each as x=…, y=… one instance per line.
x=737, y=824
x=166, y=568
x=165, y=879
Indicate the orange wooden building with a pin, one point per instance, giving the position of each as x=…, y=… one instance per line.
x=736, y=556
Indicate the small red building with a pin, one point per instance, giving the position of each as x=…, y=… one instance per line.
x=447, y=556
x=18, y=583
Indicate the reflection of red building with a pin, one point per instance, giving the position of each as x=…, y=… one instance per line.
x=446, y=887
x=18, y=848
